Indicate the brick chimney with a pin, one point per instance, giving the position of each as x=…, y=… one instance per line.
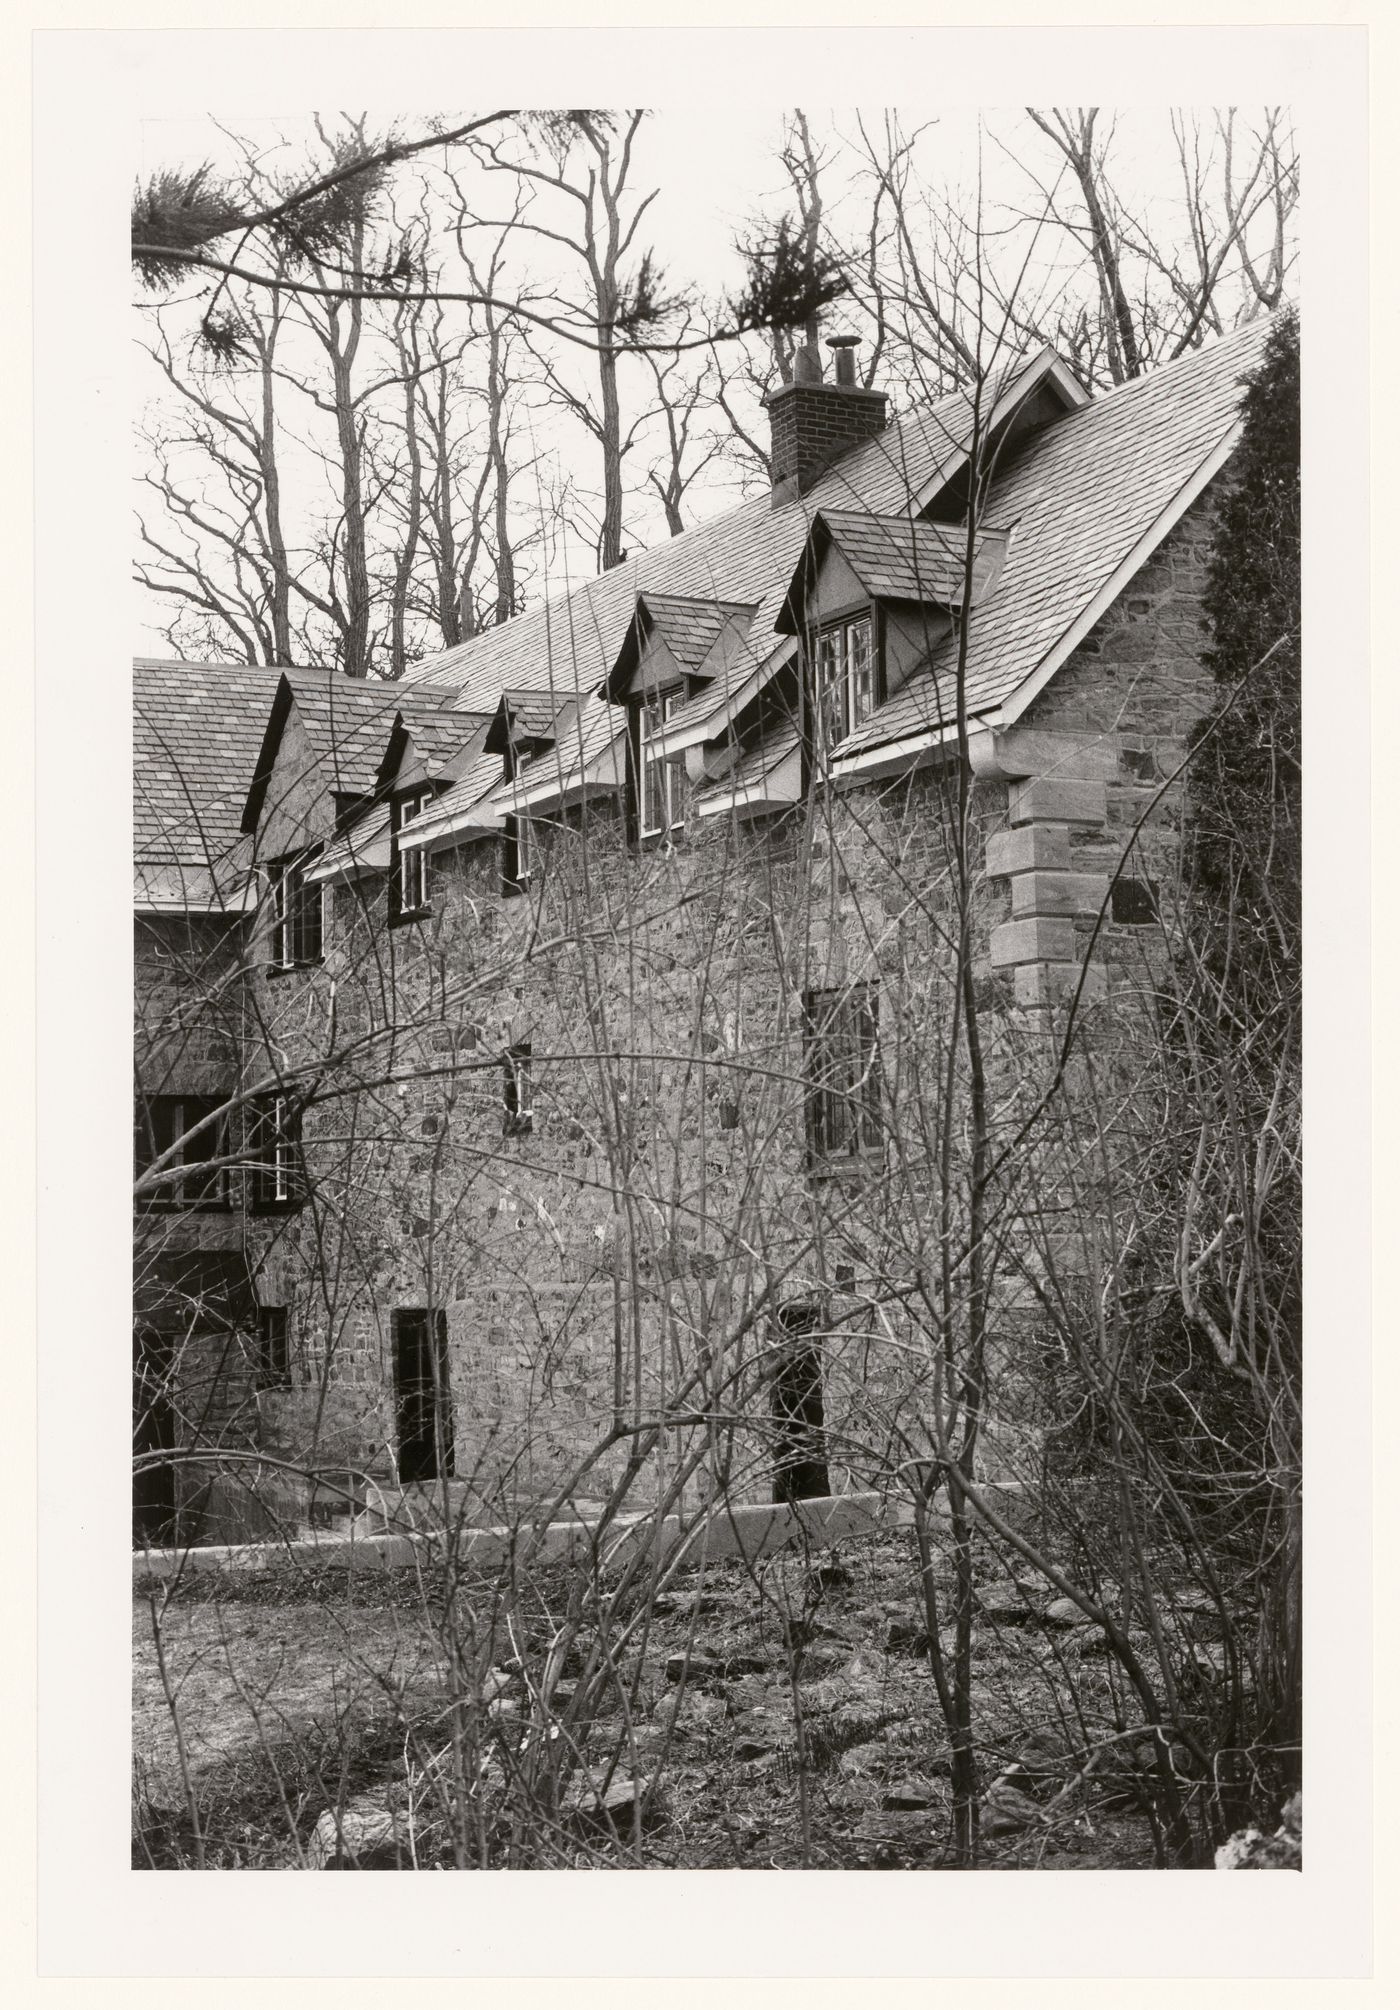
x=813, y=423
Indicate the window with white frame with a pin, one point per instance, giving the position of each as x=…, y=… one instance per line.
x=517, y=858
x=663, y=791
x=410, y=868
x=278, y=1177
x=295, y=914
x=843, y=680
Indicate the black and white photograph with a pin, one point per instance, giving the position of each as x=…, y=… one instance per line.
x=716, y=984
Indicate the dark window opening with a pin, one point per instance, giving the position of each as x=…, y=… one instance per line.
x=799, y=1421
x=196, y=1175
x=295, y=911
x=279, y=1173
x=153, y=1433
x=274, y=1353
x=1134, y=901
x=843, y=1073
x=516, y=1091
x=423, y=1403
x=844, y=681
x=408, y=870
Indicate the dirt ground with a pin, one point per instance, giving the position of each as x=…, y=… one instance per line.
x=290, y=1699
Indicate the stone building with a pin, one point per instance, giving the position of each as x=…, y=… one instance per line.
x=591, y=1011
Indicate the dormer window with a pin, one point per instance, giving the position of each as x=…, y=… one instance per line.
x=408, y=881
x=844, y=691
x=295, y=914
x=663, y=792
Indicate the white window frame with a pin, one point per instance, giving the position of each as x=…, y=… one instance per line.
x=287, y=891
x=656, y=708
x=412, y=866
x=840, y=673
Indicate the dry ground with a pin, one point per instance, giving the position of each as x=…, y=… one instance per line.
x=291, y=1696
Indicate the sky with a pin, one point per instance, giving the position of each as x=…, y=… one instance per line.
x=717, y=176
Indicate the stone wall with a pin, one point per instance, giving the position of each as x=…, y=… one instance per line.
x=629, y=1251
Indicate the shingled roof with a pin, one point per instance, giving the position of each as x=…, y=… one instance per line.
x=1092, y=496
x=900, y=558
x=348, y=721
x=197, y=728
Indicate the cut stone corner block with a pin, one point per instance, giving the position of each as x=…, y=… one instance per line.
x=1051, y=893
x=1053, y=983
x=1043, y=938
x=1028, y=848
x=1051, y=800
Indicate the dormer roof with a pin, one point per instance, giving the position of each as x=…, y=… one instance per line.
x=899, y=558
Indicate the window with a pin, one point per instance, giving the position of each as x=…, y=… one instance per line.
x=843, y=681
x=422, y=1395
x=295, y=913
x=1134, y=901
x=274, y=1356
x=663, y=792
x=519, y=857
x=408, y=883
x=843, y=1073
x=517, y=1096
x=279, y=1178
x=799, y=1423
x=199, y=1141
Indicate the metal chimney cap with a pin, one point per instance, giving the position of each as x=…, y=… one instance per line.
x=843, y=341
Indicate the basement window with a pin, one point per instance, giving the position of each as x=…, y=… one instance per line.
x=295, y=911
x=517, y=1095
x=1134, y=901
x=196, y=1174
x=843, y=680
x=843, y=1074
x=274, y=1354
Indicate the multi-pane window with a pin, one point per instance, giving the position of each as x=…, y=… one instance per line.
x=274, y=1352
x=410, y=868
x=663, y=782
x=295, y=914
x=516, y=1093
x=196, y=1174
x=278, y=1176
x=843, y=1072
x=843, y=680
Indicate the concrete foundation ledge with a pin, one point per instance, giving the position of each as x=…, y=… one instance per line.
x=751, y=1530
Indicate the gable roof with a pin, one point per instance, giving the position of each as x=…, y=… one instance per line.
x=348, y=721
x=899, y=558
x=1093, y=495
x=196, y=731
x=567, y=647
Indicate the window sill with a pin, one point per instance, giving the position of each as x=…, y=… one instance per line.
x=410, y=914
x=512, y=889
x=271, y=1207
x=184, y=1207
x=293, y=969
